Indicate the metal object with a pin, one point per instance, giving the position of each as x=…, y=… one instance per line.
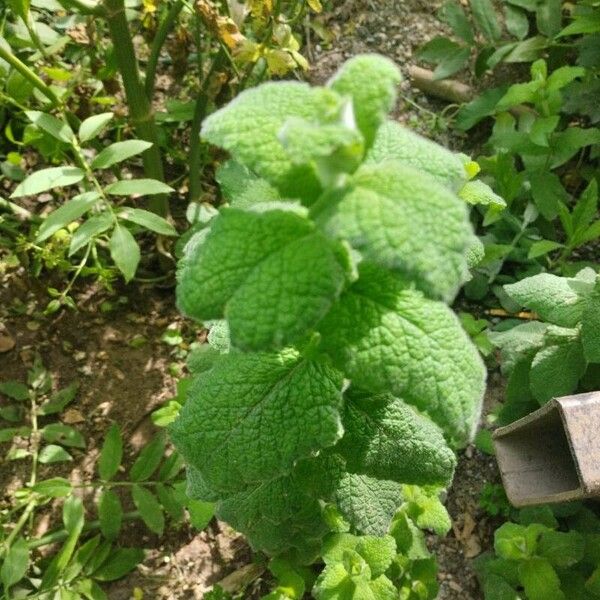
x=553, y=454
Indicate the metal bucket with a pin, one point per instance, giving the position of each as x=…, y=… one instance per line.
x=553, y=454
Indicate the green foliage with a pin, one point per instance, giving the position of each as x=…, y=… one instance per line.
x=547, y=554
x=550, y=357
x=89, y=552
x=336, y=372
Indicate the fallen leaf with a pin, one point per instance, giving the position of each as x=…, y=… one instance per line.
x=6, y=343
x=72, y=415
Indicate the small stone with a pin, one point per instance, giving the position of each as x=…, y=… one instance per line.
x=71, y=416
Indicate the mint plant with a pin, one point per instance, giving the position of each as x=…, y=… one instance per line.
x=549, y=554
x=337, y=371
x=557, y=354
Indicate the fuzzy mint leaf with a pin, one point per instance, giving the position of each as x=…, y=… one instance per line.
x=590, y=329
x=557, y=368
x=249, y=128
x=387, y=439
x=395, y=142
x=369, y=504
x=276, y=516
x=252, y=416
x=551, y=297
x=370, y=81
x=386, y=336
x=270, y=273
x=385, y=213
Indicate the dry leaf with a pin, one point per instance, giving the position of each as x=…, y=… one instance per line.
x=6, y=343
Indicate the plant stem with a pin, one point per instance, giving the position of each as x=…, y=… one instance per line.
x=22, y=68
x=140, y=109
x=194, y=163
x=82, y=7
x=157, y=44
x=61, y=534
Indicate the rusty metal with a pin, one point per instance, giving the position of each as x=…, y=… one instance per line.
x=553, y=454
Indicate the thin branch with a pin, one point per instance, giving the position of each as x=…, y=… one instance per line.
x=24, y=70
x=161, y=35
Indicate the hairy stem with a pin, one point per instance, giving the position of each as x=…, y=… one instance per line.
x=140, y=108
x=161, y=35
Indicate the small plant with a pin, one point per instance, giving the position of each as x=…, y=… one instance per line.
x=557, y=354
x=336, y=369
x=549, y=554
x=494, y=501
x=83, y=562
x=108, y=223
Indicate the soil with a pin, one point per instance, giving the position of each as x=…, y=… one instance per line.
x=123, y=381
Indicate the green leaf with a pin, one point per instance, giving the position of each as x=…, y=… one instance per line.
x=201, y=513
x=148, y=460
x=111, y=454
x=516, y=20
x=92, y=126
x=452, y=63
x=436, y=49
x=386, y=336
x=453, y=14
x=63, y=434
x=380, y=210
x=121, y=562
x=56, y=487
x=549, y=17
x=393, y=141
x=378, y=552
x=148, y=220
x=370, y=81
x=60, y=399
x=551, y=297
x=141, y=187
x=15, y=390
x=73, y=520
x=540, y=580
x=249, y=129
x=486, y=19
x=561, y=549
x=387, y=439
x=510, y=542
x=251, y=400
x=423, y=506
x=150, y=509
x=53, y=454
x=47, y=179
x=519, y=93
x=590, y=328
x=91, y=228
x=584, y=23
x=125, y=251
x=118, y=152
x=585, y=210
x=269, y=272
x=56, y=128
x=543, y=247
x=15, y=564
x=557, y=368
x=68, y=212
x=547, y=192
x=368, y=504
x=7, y=434
x=478, y=192
x=21, y=8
